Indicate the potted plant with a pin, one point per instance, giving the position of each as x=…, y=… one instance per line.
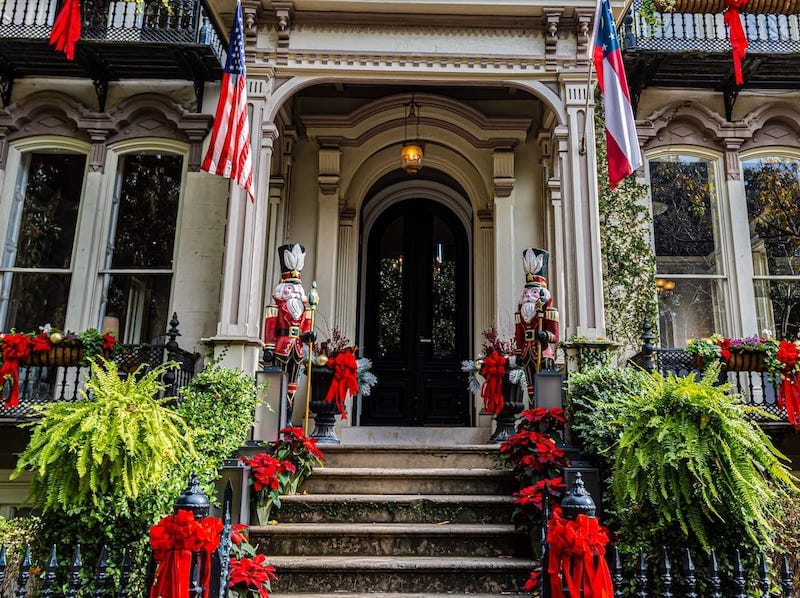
x=250, y=575
x=337, y=374
x=504, y=382
x=738, y=354
x=48, y=347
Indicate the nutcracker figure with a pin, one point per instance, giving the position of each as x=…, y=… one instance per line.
x=536, y=321
x=287, y=321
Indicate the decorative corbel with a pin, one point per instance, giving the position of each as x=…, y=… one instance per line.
x=284, y=13
x=732, y=165
x=97, y=159
x=583, y=31
x=551, y=37
x=251, y=14
x=195, y=149
x=329, y=170
x=503, y=173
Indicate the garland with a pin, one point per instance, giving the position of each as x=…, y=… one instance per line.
x=573, y=548
x=493, y=370
x=789, y=389
x=345, y=380
x=173, y=540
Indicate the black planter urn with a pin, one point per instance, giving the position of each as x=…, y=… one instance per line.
x=506, y=420
x=324, y=412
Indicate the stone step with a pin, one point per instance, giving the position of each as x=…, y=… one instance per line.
x=395, y=508
x=388, y=595
x=418, y=456
x=364, y=480
x=392, y=539
x=456, y=575
x=419, y=436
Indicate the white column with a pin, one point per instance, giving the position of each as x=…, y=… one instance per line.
x=485, y=282
x=347, y=274
x=584, y=270
x=325, y=262
x=504, y=246
x=238, y=337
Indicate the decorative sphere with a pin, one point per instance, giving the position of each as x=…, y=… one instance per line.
x=322, y=360
x=56, y=338
x=479, y=363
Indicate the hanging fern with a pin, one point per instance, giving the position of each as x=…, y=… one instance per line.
x=689, y=453
x=118, y=440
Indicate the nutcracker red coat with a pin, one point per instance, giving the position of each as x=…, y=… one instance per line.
x=283, y=333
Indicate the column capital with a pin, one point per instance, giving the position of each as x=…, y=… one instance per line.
x=503, y=167
x=732, y=165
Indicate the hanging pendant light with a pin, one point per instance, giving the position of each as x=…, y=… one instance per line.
x=411, y=154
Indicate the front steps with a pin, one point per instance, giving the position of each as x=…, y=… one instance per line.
x=399, y=521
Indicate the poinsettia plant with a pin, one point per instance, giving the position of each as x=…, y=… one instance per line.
x=249, y=574
x=19, y=347
x=268, y=476
x=300, y=450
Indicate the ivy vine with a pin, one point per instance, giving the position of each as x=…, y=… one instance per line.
x=629, y=263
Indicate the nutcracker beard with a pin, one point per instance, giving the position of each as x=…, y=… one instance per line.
x=528, y=310
x=296, y=307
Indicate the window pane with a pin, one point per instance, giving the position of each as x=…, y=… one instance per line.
x=684, y=216
x=690, y=309
x=778, y=307
x=390, y=290
x=444, y=290
x=37, y=299
x=50, y=211
x=772, y=186
x=148, y=211
x=141, y=304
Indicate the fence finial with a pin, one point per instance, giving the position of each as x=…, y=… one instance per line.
x=647, y=345
x=577, y=500
x=193, y=499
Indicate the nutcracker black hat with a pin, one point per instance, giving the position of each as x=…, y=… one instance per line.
x=292, y=258
x=534, y=261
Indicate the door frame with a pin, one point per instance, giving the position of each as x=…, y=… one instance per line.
x=384, y=199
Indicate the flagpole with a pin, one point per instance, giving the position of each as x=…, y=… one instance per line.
x=313, y=299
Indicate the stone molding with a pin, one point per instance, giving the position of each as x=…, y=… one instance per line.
x=142, y=115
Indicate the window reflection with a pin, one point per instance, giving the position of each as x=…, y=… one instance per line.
x=443, y=291
x=390, y=290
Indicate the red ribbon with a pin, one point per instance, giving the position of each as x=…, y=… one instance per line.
x=173, y=540
x=789, y=397
x=577, y=557
x=66, y=30
x=493, y=370
x=16, y=347
x=738, y=38
x=345, y=380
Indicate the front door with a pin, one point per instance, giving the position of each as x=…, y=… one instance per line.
x=416, y=316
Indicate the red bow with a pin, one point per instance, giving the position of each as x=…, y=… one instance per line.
x=789, y=396
x=16, y=348
x=66, y=30
x=573, y=548
x=173, y=540
x=493, y=370
x=737, y=36
x=345, y=380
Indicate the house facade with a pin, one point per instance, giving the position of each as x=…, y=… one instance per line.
x=106, y=219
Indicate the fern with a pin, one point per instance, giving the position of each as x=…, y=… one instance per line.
x=118, y=440
x=688, y=453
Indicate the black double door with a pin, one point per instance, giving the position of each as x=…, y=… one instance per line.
x=416, y=317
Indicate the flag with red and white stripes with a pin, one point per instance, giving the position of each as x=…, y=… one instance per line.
x=623, y=146
x=228, y=154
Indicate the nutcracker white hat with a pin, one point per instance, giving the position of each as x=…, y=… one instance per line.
x=534, y=261
x=292, y=258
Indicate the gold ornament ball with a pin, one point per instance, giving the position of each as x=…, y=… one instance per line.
x=479, y=363
x=322, y=360
x=56, y=338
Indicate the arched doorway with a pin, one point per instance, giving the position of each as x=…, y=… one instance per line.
x=416, y=313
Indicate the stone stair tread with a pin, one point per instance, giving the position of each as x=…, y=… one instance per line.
x=412, y=448
x=395, y=563
x=411, y=471
x=402, y=498
x=390, y=595
x=332, y=529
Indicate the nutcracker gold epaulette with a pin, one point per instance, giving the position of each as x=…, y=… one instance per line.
x=552, y=314
x=271, y=311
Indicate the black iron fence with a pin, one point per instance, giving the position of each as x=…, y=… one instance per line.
x=31, y=580
x=766, y=33
x=176, y=22
x=39, y=385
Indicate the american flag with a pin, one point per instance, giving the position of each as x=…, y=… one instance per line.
x=228, y=154
x=623, y=146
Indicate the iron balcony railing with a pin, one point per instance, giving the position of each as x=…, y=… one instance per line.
x=179, y=22
x=680, y=32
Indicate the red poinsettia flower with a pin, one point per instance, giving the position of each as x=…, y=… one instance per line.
x=532, y=496
x=41, y=343
x=266, y=470
x=533, y=581
x=252, y=573
x=787, y=354
x=540, y=414
x=295, y=435
x=109, y=340
x=239, y=533
x=724, y=348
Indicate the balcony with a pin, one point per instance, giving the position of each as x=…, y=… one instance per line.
x=692, y=50
x=118, y=41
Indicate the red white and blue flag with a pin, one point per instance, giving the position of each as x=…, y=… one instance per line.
x=623, y=146
x=228, y=154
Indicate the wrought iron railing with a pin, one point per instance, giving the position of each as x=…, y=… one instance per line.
x=39, y=385
x=680, y=32
x=176, y=22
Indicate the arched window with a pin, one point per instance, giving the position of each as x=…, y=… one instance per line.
x=691, y=274
x=772, y=187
